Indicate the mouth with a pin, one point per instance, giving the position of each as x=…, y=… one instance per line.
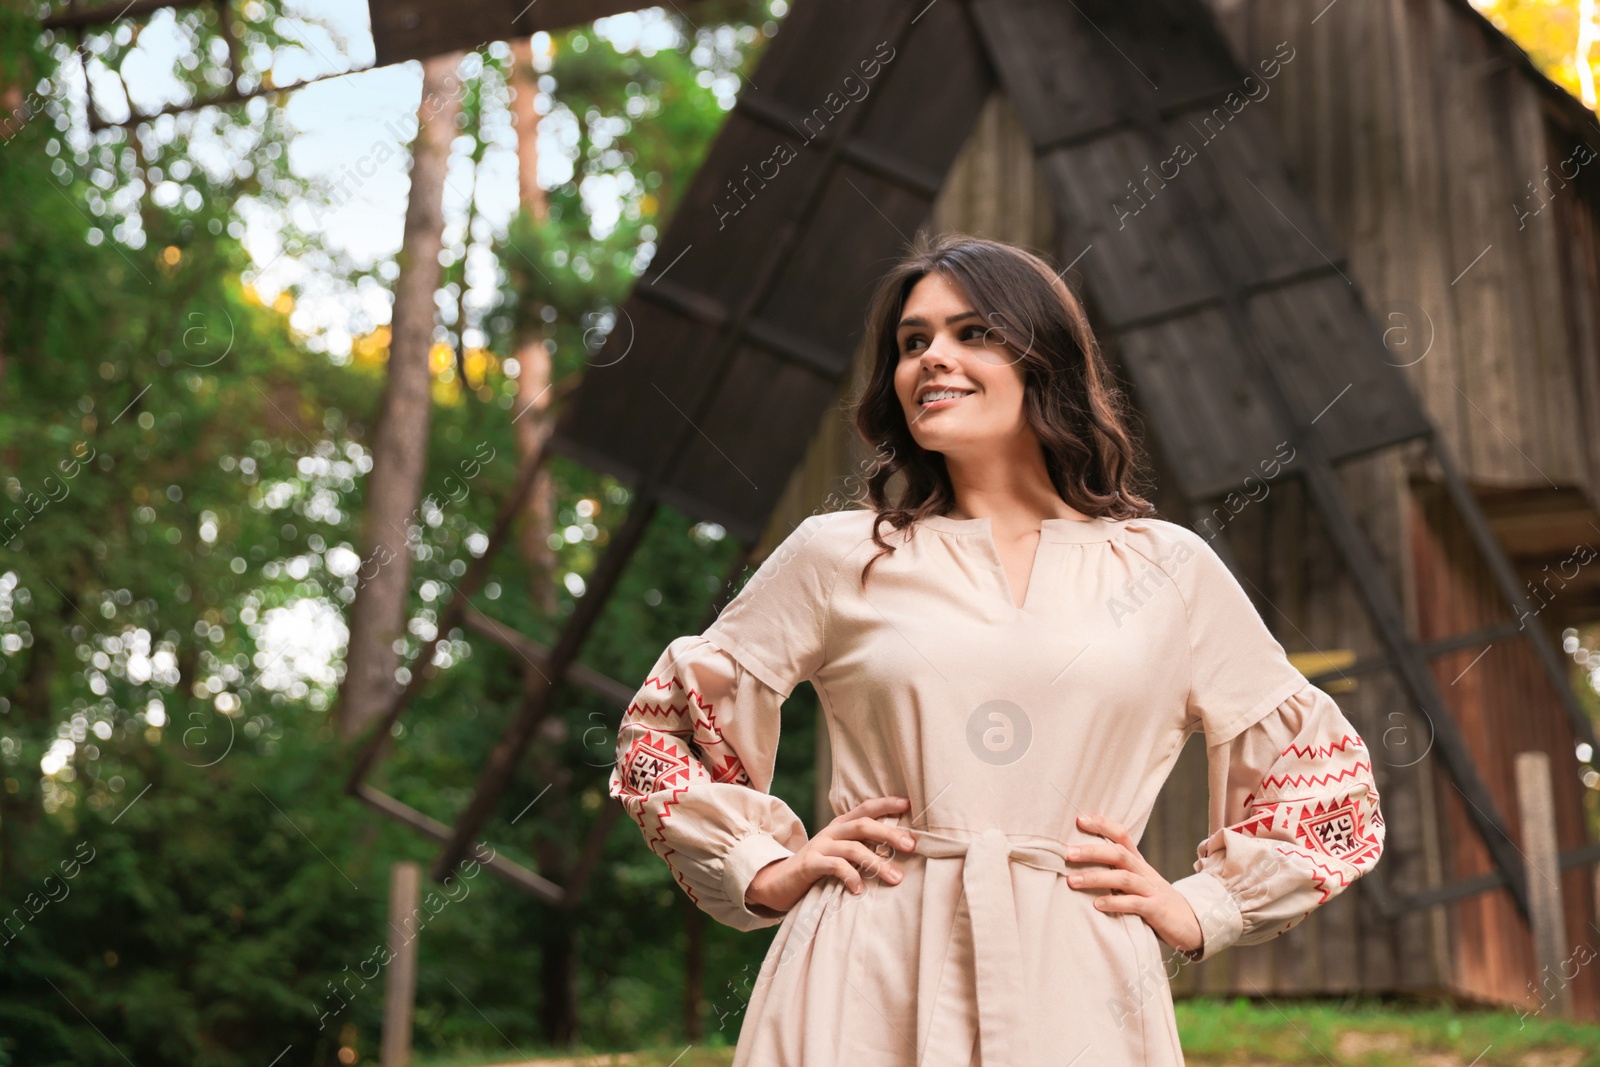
x=936, y=399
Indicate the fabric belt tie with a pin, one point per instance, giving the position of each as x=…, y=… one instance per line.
x=989, y=938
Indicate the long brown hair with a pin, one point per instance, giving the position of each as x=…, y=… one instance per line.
x=1070, y=397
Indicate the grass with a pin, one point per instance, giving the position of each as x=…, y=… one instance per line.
x=1370, y=1033
x=1253, y=1033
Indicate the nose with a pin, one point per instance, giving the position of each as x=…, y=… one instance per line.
x=934, y=356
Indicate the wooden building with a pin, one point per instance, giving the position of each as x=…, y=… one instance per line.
x=1464, y=187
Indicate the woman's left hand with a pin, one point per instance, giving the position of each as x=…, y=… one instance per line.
x=1139, y=888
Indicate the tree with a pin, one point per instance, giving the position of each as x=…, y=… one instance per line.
x=400, y=448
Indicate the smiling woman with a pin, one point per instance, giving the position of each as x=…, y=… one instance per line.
x=1000, y=730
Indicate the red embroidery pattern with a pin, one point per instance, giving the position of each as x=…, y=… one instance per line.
x=1324, y=751
x=1318, y=882
x=1338, y=830
x=1278, y=781
x=678, y=742
x=1329, y=827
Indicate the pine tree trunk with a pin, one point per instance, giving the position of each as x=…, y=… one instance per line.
x=558, y=964
x=400, y=445
x=533, y=357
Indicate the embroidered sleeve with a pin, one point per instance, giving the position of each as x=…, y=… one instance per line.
x=695, y=757
x=1294, y=820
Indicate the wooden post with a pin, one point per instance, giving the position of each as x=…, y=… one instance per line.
x=400, y=984
x=1536, y=803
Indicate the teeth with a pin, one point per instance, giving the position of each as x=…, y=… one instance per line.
x=942, y=394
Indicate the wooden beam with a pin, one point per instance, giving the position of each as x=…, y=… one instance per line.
x=1393, y=907
x=507, y=871
x=1556, y=669
x=534, y=652
x=400, y=975
x=783, y=119
x=1536, y=805
x=1488, y=635
x=775, y=339
x=75, y=17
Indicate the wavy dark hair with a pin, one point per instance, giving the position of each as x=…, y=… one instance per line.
x=1070, y=397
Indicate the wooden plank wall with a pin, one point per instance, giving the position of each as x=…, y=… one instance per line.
x=1505, y=705
x=1417, y=135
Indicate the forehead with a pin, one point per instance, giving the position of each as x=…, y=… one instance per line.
x=934, y=294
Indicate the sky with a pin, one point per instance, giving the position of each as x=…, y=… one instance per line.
x=353, y=132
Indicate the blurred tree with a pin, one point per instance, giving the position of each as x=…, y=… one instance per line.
x=400, y=441
x=1558, y=35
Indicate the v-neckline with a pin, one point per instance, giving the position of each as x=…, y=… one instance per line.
x=1050, y=530
x=1033, y=571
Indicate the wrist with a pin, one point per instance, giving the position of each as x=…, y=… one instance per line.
x=748, y=857
x=755, y=895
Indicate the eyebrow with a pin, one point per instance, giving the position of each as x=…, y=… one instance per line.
x=918, y=320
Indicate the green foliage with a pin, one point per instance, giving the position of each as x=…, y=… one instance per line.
x=182, y=475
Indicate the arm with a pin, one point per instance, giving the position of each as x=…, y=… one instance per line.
x=695, y=755
x=1294, y=820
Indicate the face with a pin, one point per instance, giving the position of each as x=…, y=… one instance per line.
x=943, y=342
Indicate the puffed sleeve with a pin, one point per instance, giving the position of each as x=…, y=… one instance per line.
x=698, y=743
x=695, y=757
x=1294, y=819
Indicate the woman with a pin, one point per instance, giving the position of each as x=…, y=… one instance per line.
x=1008, y=675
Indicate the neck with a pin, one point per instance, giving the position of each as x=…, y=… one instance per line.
x=1011, y=487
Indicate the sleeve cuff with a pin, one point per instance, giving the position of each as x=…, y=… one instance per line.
x=748, y=855
x=1221, y=922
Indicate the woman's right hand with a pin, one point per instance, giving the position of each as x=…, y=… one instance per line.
x=836, y=849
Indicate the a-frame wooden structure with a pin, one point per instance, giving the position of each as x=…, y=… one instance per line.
x=1225, y=300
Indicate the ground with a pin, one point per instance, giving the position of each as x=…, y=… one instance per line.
x=1248, y=1033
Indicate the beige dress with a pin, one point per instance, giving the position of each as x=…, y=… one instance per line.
x=1000, y=724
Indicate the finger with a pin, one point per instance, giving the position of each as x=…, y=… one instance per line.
x=873, y=830
x=870, y=863
x=877, y=806
x=1098, y=852
x=1120, y=880
x=846, y=872
x=1127, y=903
x=1099, y=824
